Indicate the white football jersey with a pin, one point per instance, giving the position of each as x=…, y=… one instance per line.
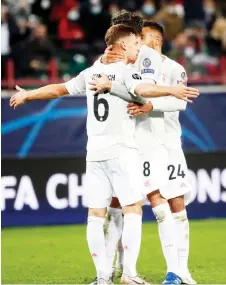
x=109, y=127
x=149, y=63
x=172, y=74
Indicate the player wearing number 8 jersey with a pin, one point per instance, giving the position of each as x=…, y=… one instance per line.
x=177, y=190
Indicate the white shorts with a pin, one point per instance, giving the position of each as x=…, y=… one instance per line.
x=120, y=176
x=177, y=176
x=154, y=168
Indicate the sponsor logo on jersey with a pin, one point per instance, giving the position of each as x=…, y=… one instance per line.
x=111, y=77
x=136, y=76
x=147, y=70
x=146, y=62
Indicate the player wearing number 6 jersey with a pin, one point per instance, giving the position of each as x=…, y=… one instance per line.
x=112, y=157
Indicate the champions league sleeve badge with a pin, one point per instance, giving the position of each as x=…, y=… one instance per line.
x=146, y=62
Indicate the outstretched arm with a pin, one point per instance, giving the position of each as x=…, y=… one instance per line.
x=75, y=86
x=52, y=91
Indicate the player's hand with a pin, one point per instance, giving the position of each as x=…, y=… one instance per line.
x=185, y=93
x=111, y=56
x=19, y=98
x=100, y=85
x=135, y=109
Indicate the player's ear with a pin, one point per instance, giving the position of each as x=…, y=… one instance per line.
x=123, y=46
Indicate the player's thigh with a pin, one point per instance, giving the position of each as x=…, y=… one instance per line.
x=124, y=174
x=177, y=184
x=153, y=164
x=97, y=187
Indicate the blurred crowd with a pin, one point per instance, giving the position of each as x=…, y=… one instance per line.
x=35, y=31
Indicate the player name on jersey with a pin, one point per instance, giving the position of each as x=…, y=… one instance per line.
x=111, y=77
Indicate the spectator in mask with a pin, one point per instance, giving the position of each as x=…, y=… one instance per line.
x=171, y=17
x=69, y=30
x=210, y=13
x=148, y=9
x=95, y=20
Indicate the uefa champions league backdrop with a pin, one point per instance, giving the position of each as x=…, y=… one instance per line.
x=43, y=166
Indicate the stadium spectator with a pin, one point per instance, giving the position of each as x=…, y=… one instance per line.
x=113, y=8
x=148, y=9
x=171, y=17
x=218, y=32
x=194, y=30
x=39, y=49
x=9, y=37
x=69, y=29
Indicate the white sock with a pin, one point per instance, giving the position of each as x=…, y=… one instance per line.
x=166, y=227
x=182, y=233
x=120, y=254
x=113, y=233
x=96, y=243
x=131, y=240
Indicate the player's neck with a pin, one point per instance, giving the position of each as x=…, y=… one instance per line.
x=158, y=49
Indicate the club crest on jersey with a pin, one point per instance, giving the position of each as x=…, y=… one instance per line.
x=146, y=62
x=136, y=76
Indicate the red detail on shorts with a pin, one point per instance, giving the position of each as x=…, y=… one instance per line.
x=94, y=254
x=120, y=247
x=183, y=185
x=147, y=183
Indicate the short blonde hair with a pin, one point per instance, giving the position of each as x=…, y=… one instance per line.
x=117, y=32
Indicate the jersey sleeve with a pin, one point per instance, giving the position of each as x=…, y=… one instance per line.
x=170, y=103
x=133, y=78
x=150, y=64
x=76, y=86
x=179, y=75
x=120, y=90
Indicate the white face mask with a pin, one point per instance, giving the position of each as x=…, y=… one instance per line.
x=148, y=9
x=209, y=10
x=45, y=4
x=96, y=10
x=189, y=52
x=73, y=15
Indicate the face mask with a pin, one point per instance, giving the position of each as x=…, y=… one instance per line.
x=96, y=10
x=171, y=10
x=73, y=15
x=209, y=10
x=148, y=9
x=45, y=4
x=189, y=51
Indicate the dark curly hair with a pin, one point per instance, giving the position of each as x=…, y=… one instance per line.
x=128, y=18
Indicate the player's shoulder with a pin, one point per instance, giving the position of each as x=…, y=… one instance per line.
x=145, y=49
x=173, y=64
x=148, y=52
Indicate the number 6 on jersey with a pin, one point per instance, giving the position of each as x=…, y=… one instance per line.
x=96, y=104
